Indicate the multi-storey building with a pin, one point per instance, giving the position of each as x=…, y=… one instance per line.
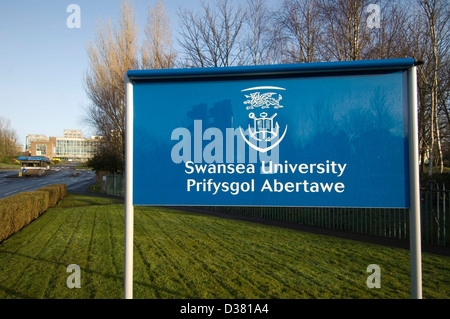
x=73, y=134
x=71, y=147
x=34, y=137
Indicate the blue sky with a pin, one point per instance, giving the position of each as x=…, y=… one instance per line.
x=42, y=61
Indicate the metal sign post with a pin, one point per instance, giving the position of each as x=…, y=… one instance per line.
x=129, y=208
x=337, y=134
x=414, y=217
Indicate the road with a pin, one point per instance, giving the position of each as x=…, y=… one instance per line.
x=11, y=183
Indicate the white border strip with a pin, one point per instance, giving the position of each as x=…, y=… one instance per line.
x=264, y=88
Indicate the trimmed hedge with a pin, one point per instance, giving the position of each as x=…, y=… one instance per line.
x=56, y=193
x=19, y=210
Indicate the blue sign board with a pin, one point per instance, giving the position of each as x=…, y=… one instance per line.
x=322, y=134
x=33, y=158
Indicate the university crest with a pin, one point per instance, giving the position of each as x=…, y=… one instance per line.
x=264, y=129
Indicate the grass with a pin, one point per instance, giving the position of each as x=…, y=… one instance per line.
x=82, y=166
x=9, y=162
x=8, y=166
x=95, y=188
x=188, y=255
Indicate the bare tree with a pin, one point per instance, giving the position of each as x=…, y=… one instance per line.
x=414, y=45
x=345, y=32
x=422, y=32
x=300, y=30
x=437, y=13
x=432, y=41
x=113, y=52
x=8, y=137
x=258, y=41
x=213, y=37
x=157, y=51
x=390, y=39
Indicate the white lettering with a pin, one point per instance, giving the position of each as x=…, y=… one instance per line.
x=374, y=19
x=215, y=151
x=74, y=280
x=374, y=280
x=183, y=147
x=73, y=21
x=213, y=187
x=313, y=187
x=191, y=167
x=303, y=168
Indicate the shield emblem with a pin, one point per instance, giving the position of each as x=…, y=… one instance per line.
x=263, y=129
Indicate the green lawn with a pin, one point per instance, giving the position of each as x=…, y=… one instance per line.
x=9, y=166
x=187, y=255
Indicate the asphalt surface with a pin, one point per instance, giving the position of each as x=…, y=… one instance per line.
x=11, y=183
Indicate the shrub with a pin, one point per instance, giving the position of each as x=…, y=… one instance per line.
x=19, y=210
x=56, y=193
x=107, y=159
x=63, y=190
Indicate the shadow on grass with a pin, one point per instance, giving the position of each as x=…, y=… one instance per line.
x=157, y=289
x=15, y=294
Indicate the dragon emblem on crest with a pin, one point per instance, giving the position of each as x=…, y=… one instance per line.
x=264, y=100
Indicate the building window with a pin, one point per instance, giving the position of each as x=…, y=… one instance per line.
x=41, y=149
